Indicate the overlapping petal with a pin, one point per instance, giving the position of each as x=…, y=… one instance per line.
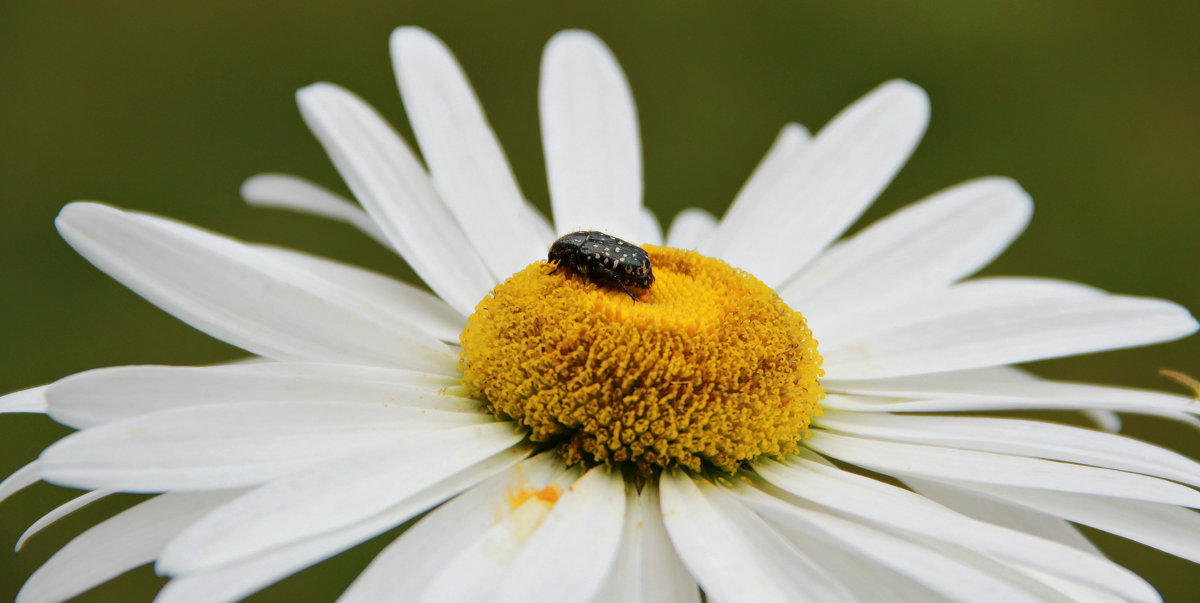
x=468, y=166
x=993, y=322
x=733, y=553
x=232, y=582
x=332, y=495
x=548, y=533
x=231, y=445
x=131, y=538
x=396, y=191
x=925, y=246
x=244, y=296
x=285, y=191
x=824, y=187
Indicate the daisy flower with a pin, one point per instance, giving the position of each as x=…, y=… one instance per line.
x=553, y=439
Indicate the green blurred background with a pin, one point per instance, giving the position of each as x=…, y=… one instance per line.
x=167, y=107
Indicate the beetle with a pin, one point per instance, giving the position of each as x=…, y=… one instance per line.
x=598, y=256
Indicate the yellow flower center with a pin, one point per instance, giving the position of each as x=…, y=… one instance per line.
x=709, y=367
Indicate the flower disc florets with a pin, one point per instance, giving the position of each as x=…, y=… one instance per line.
x=709, y=367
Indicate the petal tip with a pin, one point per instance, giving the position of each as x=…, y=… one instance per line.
x=906, y=95
x=72, y=213
x=254, y=190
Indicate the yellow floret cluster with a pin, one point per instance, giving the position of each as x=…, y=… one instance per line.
x=708, y=367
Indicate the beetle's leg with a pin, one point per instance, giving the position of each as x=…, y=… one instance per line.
x=622, y=286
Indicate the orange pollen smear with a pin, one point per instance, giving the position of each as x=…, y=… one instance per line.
x=549, y=494
x=707, y=368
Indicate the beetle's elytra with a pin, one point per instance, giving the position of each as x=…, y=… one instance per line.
x=601, y=257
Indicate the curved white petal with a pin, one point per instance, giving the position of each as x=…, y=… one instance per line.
x=647, y=569
x=649, y=230
x=104, y=395
x=230, y=445
x=1022, y=438
x=284, y=191
x=396, y=191
x=1002, y=513
x=465, y=546
x=995, y=321
x=26, y=400
x=590, y=138
x=1075, y=591
x=331, y=496
x=691, y=229
x=234, y=581
x=423, y=310
x=112, y=547
x=28, y=475
x=1106, y=420
x=866, y=579
x=927, y=245
x=734, y=554
x=825, y=187
x=1166, y=527
x=894, y=458
x=783, y=155
x=243, y=296
x=468, y=166
x=879, y=503
x=60, y=512
x=948, y=575
x=996, y=388
x=574, y=547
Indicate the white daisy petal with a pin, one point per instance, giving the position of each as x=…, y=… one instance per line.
x=1106, y=420
x=285, y=191
x=229, y=445
x=331, y=496
x=20, y=479
x=647, y=568
x=488, y=523
x=235, y=581
x=468, y=166
x=1002, y=513
x=867, y=580
x=573, y=549
x=1022, y=438
x=983, y=293
x=784, y=154
x=129, y=539
x=396, y=191
x=825, y=187
x=888, y=505
x=691, y=229
x=545, y=230
x=924, y=246
x=996, y=388
x=423, y=310
x=950, y=577
x=60, y=512
x=243, y=296
x=1075, y=591
x=901, y=459
x=734, y=554
x=104, y=395
x=994, y=321
x=26, y=400
x=590, y=137
x=1166, y=527
x=649, y=230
